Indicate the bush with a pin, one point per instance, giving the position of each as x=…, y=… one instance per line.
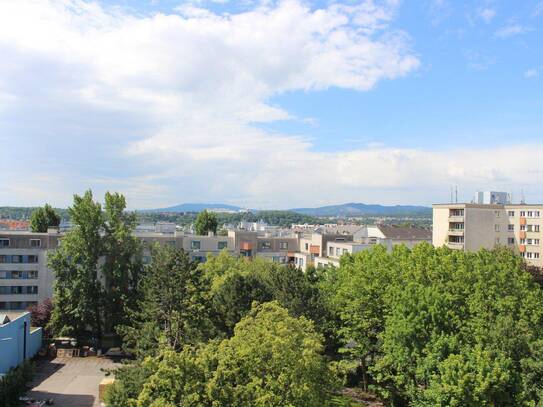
x=13, y=384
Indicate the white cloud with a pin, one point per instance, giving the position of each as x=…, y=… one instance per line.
x=163, y=107
x=487, y=14
x=531, y=73
x=510, y=30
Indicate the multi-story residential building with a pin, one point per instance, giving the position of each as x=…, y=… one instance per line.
x=25, y=278
x=467, y=226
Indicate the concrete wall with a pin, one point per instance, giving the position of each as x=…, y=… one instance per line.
x=12, y=342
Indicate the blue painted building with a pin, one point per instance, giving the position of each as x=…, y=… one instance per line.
x=18, y=341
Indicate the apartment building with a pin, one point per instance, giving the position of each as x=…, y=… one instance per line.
x=25, y=278
x=469, y=226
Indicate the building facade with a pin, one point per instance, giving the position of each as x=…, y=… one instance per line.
x=467, y=226
x=18, y=340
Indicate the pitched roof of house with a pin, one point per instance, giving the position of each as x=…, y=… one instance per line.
x=405, y=233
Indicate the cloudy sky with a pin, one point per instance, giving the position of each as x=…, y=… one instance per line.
x=270, y=104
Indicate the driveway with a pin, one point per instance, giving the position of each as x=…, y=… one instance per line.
x=71, y=382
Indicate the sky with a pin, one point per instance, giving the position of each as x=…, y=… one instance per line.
x=270, y=104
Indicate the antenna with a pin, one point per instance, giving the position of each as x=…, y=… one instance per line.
x=522, y=199
x=456, y=194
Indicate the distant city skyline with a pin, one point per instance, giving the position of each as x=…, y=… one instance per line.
x=270, y=104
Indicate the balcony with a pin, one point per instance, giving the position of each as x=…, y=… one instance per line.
x=456, y=232
x=456, y=218
x=455, y=245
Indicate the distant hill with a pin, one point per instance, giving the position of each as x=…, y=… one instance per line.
x=195, y=207
x=360, y=209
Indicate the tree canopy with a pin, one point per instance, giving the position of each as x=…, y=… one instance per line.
x=206, y=222
x=44, y=218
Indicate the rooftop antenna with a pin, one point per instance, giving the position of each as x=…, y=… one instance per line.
x=456, y=194
x=522, y=199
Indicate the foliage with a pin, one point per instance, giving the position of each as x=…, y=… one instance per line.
x=206, y=222
x=173, y=307
x=122, y=266
x=273, y=359
x=14, y=384
x=40, y=314
x=43, y=218
x=78, y=292
x=97, y=269
x=439, y=327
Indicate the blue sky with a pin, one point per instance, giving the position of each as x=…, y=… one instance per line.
x=270, y=104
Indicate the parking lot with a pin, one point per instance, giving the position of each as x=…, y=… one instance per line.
x=70, y=382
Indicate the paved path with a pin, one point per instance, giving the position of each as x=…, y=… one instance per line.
x=71, y=382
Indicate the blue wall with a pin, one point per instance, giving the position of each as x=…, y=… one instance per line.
x=12, y=342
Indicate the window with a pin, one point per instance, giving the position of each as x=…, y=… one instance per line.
x=530, y=214
x=522, y=213
x=529, y=255
x=283, y=245
x=497, y=213
x=510, y=240
x=4, y=242
x=497, y=240
x=523, y=227
x=3, y=274
x=528, y=241
x=266, y=245
x=497, y=228
x=32, y=259
x=16, y=259
x=511, y=213
x=301, y=262
x=16, y=274
x=199, y=259
x=536, y=228
x=510, y=227
x=536, y=242
x=456, y=212
x=536, y=215
x=536, y=255
x=345, y=251
x=338, y=251
x=195, y=244
x=522, y=241
x=222, y=245
x=307, y=246
x=35, y=242
x=330, y=251
x=32, y=274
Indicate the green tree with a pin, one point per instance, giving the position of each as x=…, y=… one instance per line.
x=122, y=266
x=273, y=359
x=43, y=218
x=78, y=292
x=97, y=269
x=436, y=327
x=206, y=222
x=174, y=305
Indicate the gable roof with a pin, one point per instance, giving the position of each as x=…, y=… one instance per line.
x=405, y=233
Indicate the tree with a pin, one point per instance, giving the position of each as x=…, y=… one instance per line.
x=78, y=292
x=40, y=314
x=97, y=269
x=122, y=266
x=174, y=305
x=43, y=218
x=273, y=359
x=206, y=222
x=436, y=327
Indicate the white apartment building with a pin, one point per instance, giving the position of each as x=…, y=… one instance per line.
x=468, y=226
